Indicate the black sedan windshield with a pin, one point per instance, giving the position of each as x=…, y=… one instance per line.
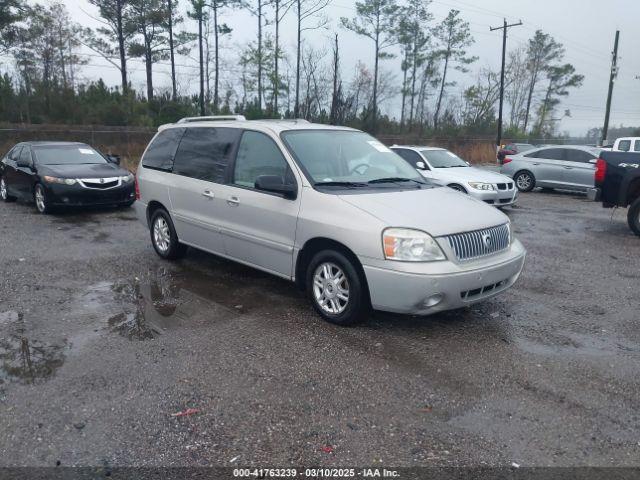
x=348, y=158
x=67, y=155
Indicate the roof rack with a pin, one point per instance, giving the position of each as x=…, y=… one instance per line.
x=283, y=120
x=212, y=118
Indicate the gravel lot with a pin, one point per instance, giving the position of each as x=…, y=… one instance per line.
x=101, y=342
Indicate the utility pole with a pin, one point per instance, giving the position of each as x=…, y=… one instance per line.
x=612, y=78
x=504, y=28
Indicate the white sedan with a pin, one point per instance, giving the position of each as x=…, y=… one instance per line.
x=445, y=168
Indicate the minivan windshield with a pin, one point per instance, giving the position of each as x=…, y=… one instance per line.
x=67, y=155
x=443, y=159
x=348, y=158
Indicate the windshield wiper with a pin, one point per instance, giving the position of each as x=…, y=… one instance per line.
x=394, y=180
x=340, y=184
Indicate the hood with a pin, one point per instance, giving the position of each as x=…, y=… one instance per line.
x=97, y=170
x=469, y=174
x=437, y=211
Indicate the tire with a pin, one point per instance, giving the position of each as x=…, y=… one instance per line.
x=42, y=201
x=327, y=297
x=4, y=193
x=525, y=181
x=456, y=187
x=633, y=217
x=164, y=238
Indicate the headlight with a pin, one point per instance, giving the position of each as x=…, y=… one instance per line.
x=481, y=186
x=410, y=246
x=127, y=178
x=62, y=181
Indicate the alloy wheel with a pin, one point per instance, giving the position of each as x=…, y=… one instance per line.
x=331, y=288
x=40, y=202
x=523, y=181
x=161, y=235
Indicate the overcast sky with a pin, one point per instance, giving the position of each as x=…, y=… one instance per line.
x=585, y=27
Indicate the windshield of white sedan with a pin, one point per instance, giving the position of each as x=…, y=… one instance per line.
x=443, y=159
x=346, y=158
x=67, y=155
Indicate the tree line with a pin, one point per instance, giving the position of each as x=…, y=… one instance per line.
x=44, y=49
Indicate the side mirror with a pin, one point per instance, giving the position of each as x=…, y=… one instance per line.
x=593, y=160
x=421, y=165
x=468, y=163
x=275, y=184
x=114, y=159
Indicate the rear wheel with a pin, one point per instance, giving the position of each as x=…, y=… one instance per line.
x=525, y=181
x=633, y=217
x=4, y=193
x=164, y=237
x=42, y=202
x=335, y=288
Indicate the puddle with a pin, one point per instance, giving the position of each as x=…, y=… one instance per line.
x=25, y=360
x=165, y=299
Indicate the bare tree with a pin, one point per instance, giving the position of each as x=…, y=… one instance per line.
x=454, y=35
x=375, y=20
x=305, y=10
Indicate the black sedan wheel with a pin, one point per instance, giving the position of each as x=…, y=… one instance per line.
x=4, y=193
x=42, y=203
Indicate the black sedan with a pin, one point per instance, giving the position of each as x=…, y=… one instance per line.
x=55, y=174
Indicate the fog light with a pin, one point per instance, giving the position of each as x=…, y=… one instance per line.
x=433, y=300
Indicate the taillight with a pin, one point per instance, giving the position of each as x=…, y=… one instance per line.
x=506, y=160
x=601, y=171
x=137, y=187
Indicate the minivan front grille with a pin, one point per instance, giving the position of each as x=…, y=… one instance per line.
x=479, y=243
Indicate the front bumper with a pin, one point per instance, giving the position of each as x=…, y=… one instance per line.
x=594, y=194
x=498, y=198
x=76, y=195
x=415, y=292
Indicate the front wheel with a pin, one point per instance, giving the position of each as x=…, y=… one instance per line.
x=164, y=237
x=457, y=188
x=525, y=181
x=335, y=288
x=4, y=192
x=42, y=201
x=633, y=217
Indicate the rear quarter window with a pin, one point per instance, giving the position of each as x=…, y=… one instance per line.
x=161, y=152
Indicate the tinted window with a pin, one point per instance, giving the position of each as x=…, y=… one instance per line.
x=549, y=154
x=636, y=146
x=409, y=155
x=14, y=154
x=258, y=155
x=204, y=153
x=579, y=156
x=624, y=145
x=25, y=155
x=162, y=150
x=66, y=155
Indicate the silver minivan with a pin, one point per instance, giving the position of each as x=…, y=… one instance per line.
x=552, y=166
x=329, y=208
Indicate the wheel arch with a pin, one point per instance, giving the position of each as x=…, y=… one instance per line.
x=633, y=191
x=317, y=244
x=152, y=207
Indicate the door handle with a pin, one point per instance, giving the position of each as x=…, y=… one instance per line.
x=209, y=194
x=568, y=168
x=233, y=201
x=536, y=164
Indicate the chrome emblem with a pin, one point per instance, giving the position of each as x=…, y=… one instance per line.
x=102, y=180
x=487, y=240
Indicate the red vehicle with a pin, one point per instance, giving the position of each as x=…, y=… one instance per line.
x=512, y=149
